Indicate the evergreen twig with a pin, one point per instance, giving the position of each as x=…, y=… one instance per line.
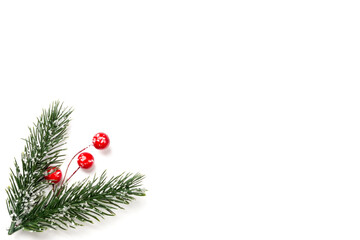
x=31, y=208
x=83, y=201
x=43, y=148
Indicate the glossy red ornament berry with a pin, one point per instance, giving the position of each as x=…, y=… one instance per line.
x=54, y=176
x=101, y=141
x=85, y=160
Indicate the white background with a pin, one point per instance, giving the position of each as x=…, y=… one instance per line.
x=244, y=115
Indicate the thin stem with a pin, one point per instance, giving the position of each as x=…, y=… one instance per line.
x=70, y=163
x=73, y=174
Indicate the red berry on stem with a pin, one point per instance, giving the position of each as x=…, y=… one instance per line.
x=55, y=175
x=101, y=141
x=85, y=160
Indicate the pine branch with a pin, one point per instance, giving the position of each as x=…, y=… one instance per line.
x=32, y=209
x=43, y=148
x=83, y=202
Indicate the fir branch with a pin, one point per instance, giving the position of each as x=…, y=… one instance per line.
x=83, y=201
x=32, y=209
x=43, y=148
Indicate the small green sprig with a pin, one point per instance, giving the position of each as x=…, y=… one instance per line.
x=43, y=148
x=83, y=201
x=33, y=208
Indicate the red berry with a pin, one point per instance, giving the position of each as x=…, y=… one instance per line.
x=55, y=175
x=101, y=140
x=85, y=160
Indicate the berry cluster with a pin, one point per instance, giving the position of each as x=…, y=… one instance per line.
x=85, y=160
